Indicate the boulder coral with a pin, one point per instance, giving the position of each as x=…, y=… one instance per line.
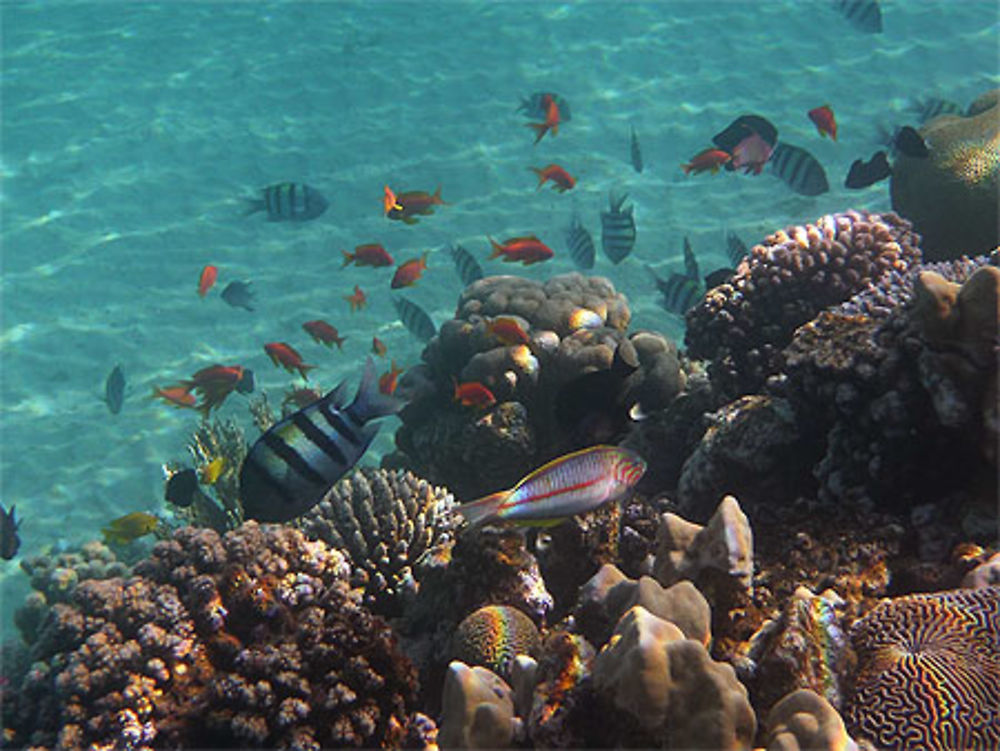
x=803, y=720
x=478, y=709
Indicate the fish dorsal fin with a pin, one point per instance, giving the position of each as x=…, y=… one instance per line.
x=338, y=397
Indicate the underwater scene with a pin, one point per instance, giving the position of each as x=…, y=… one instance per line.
x=500, y=375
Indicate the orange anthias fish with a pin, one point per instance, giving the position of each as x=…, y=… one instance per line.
x=824, y=120
x=301, y=397
x=709, y=159
x=178, y=395
x=324, y=333
x=409, y=272
x=403, y=206
x=358, y=300
x=507, y=331
x=207, y=279
x=527, y=250
x=130, y=527
x=214, y=384
x=372, y=254
x=378, y=347
x=283, y=355
x=474, y=394
x=551, y=123
x=561, y=179
x=388, y=381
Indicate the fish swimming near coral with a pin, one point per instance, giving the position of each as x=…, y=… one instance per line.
x=388, y=381
x=10, y=541
x=617, y=229
x=414, y=318
x=473, y=394
x=571, y=484
x=114, y=390
x=324, y=333
x=634, y=151
x=179, y=396
x=534, y=107
x=125, y=529
x=292, y=465
x=285, y=356
x=680, y=292
x=357, y=300
x=690, y=260
x=181, y=487
x=527, y=250
x=862, y=174
x=863, y=15
x=508, y=331
x=211, y=472
x=214, y=384
x=466, y=265
x=931, y=107
x=750, y=154
x=743, y=127
x=372, y=254
x=405, y=207
x=409, y=272
x=799, y=170
x=239, y=295
x=291, y=202
x=580, y=244
x=707, y=160
x=736, y=249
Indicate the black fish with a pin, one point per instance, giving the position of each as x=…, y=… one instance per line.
x=239, y=295
x=468, y=268
x=679, y=292
x=742, y=127
x=736, y=249
x=414, y=318
x=114, y=390
x=690, y=261
x=580, y=244
x=299, y=458
x=534, y=107
x=862, y=174
x=293, y=202
x=9, y=540
x=911, y=143
x=634, y=151
x=246, y=383
x=717, y=277
x=617, y=229
x=594, y=407
x=928, y=109
x=181, y=488
x=799, y=170
x=863, y=15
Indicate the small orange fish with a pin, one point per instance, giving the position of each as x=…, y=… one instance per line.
x=372, y=254
x=551, y=123
x=409, y=272
x=178, y=395
x=561, y=179
x=824, y=120
x=403, y=206
x=527, y=250
x=388, y=381
x=358, y=300
x=214, y=384
x=473, y=394
x=378, y=347
x=302, y=397
x=324, y=333
x=283, y=355
x=703, y=161
x=507, y=331
x=207, y=280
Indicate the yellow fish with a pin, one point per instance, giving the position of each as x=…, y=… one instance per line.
x=132, y=526
x=213, y=470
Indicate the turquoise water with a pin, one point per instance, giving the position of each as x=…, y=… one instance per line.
x=133, y=132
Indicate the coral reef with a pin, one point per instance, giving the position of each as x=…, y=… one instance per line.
x=805, y=720
x=930, y=664
x=492, y=636
x=385, y=520
x=478, y=711
x=951, y=194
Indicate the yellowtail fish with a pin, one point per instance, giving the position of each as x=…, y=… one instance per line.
x=572, y=484
x=211, y=472
x=130, y=527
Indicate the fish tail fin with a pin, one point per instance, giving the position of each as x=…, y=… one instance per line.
x=423, y=259
x=370, y=402
x=348, y=258
x=497, y=249
x=539, y=128
x=687, y=168
x=484, y=509
x=437, y=197
x=253, y=205
x=541, y=176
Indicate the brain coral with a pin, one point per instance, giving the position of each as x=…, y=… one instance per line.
x=493, y=635
x=928, y=672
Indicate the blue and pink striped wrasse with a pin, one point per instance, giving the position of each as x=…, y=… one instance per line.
x=572, y=484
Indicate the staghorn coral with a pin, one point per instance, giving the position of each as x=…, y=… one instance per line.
x=492, y=636
x=743, y=325
x=929, y=664
x=251, y=639
x=385, y=520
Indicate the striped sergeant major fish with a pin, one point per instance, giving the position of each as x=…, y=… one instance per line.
x=928, y=109
x=292, y=465
x=580, y=244
x=634, y=151
x=415, y=319
x=617, y=229
x=292, y=202
x=114, y=390
x=798, y=169
x=680, y=292
x=736, y=249
x=468, y=268
x=863, y=15
x=690, y=261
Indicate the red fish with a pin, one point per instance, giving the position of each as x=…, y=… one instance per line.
x=561, y=179
x=409, y=272
x=527, y=250
x=284, y=356
x=703, y=161
x=388, y=381
x=324, y=333
x=752, y=153
x=372, y=254
x=507, y=331
x=378, y=347
x=214, y=384
x=207, y=280
x=474, y=394
x=358, y=300
x=178, y=395
x=825, y=122
x=301, y=398
x=551, y=123
x=403, y=206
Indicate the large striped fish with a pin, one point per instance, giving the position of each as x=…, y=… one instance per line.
x=415, y=319
x=293, y=202
x=468, y=268
x=799, y=169
x=863, y=15
x=572, y=484
x=617, y=229
x=292, y=466
x=580, y=244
